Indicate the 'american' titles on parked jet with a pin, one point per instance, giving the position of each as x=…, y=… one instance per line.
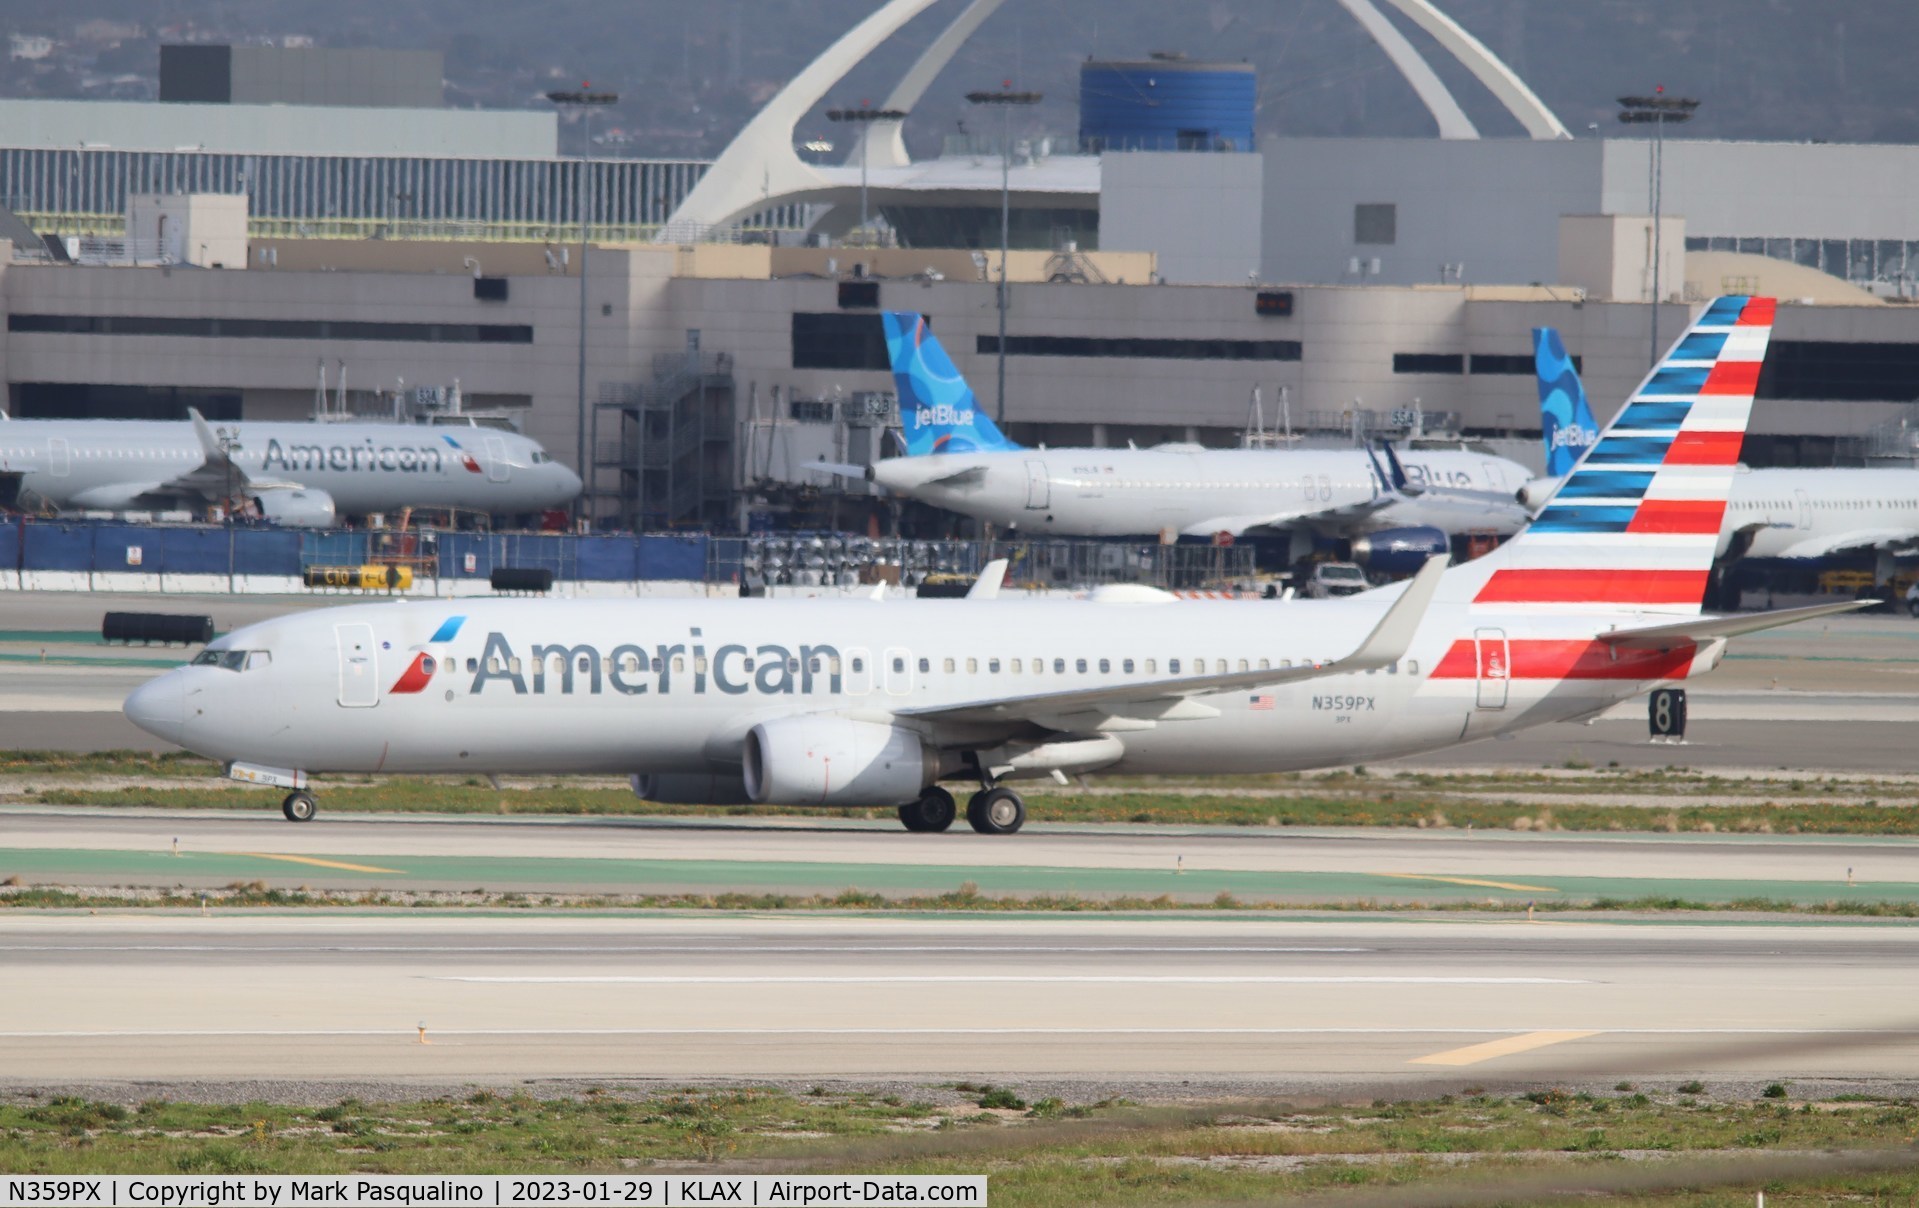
x=1773, y=513
x=957, y=459
x=867, y=703
x=296, y=474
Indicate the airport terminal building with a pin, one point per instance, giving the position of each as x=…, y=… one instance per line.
x=232, y=256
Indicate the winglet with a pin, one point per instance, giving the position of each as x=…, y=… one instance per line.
x=986, y=587
x=209, y=444
x=1393, y=636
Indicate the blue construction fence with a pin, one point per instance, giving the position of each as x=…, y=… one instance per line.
x=110, y=547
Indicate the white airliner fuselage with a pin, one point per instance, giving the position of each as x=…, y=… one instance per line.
x=551, y=686
x=1810, y=513
x=362, y=467
x=1200, y=492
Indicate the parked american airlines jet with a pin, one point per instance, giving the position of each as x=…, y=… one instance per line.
x=957, y=459
x=869, y=703
x=296, y=474
x=1775, y=513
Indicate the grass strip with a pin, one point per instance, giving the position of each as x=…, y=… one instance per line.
x=255, y=894
x=1038, y=1151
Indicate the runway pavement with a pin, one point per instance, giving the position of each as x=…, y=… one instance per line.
x=1256, y=1004
x=109, y=847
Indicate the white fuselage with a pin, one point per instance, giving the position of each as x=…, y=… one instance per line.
x=1194, y=491
x=660, y=686
x=1808, y=513
x=115, y=464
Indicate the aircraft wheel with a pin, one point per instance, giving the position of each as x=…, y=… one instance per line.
x=934, y=811
x=299, y=807
x=996, y=811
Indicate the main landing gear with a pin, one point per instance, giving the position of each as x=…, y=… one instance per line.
x=299, y=807
x=996, y=811
x=934, y=811
x=991, y=811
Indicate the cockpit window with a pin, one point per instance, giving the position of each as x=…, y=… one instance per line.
x=233, y=660
x=540, y=457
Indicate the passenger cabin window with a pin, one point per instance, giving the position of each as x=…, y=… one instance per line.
x=679, y=663
x=859, y=665
x=1126, y=665
x=1059, y=666
x=926, y=665
x=899, y=664
x=972, y=666
x=992, y=665
x=1013, y=666
x=948, y=665
x=473, y=664
x=1172, y=666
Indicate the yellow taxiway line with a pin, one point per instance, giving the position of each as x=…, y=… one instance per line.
x=1419, y=876
x=317, y=863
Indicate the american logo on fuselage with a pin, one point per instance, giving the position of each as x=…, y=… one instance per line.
x=638, y=668
x=407, y=459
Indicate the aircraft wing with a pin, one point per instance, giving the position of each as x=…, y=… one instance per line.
x=218, y=475
x=1083, y=708
x=1700, y=630
x=1820, y=547
x=1239, y=526
x=838, y=469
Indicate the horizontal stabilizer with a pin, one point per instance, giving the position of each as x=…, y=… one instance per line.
x=1701, y=630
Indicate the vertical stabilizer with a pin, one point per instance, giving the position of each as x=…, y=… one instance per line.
x=938, y=413
x=1565, y=418
x=1635, y=524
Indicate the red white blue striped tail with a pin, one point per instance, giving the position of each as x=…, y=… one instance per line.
x=1634, y=526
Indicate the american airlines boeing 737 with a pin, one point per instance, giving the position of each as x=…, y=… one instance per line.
x=296, y=474
x=958, y=459
x=1795, y=512
x=870, y=703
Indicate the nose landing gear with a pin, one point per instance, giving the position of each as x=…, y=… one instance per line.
x=299, y=807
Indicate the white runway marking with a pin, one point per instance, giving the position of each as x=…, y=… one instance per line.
x=407, y=1032
x=859, y=979
x=661, y=950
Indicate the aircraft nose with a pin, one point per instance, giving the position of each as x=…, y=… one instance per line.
x=159, y=707
x=570, y=482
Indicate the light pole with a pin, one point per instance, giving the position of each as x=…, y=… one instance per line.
x=585, y=100
x=1005, y=99
x=1658, y=109
x=864, y=118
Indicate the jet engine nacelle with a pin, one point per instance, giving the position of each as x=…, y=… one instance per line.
x=835, y=761
x=1400, y=551
x=300, y=508
x=1534, y=494
x=690, y=788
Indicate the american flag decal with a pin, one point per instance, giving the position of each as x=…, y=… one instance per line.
x=1262, y=702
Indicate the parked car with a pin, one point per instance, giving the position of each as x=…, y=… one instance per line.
x=1335, y=579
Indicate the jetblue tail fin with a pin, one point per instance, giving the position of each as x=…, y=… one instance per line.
x=1565, y=418
x=1635, y=524
x=937, y=410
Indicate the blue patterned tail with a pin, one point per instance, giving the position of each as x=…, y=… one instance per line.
x=937, y=408
x=1565, y=418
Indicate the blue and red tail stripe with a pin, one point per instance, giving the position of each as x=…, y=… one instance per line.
x=1636, y=523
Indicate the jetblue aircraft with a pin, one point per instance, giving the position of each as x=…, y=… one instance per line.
x=958, y=459
x=301, y=475
x=1776, y=513
x=868, y=703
